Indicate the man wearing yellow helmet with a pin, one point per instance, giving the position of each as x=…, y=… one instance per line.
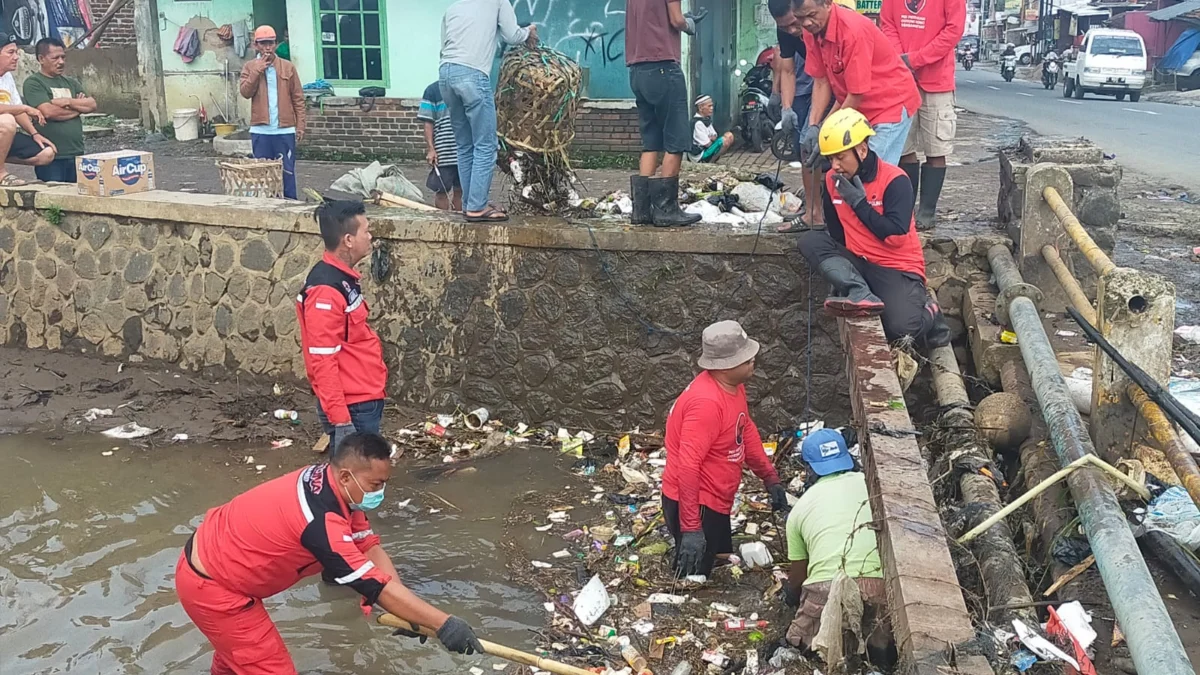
x=870, y=253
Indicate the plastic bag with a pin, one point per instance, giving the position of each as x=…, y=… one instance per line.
x=1175, y=513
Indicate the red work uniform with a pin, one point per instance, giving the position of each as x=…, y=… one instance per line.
x=857, y=59
x=342, y=355
x=263, y=542
x=709, y=437
x=928, y=31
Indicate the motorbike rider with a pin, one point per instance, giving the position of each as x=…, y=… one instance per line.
x=1051, y=57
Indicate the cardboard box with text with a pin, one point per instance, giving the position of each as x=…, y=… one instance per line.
x=109, y=174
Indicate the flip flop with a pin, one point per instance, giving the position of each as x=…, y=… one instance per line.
x=10, y=180
x=490, y=215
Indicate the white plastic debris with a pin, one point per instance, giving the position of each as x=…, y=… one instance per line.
x=179, y=437
x=1175, y=513
x=259, y=467
x=93, y=413
x=564, y=553
x=1078, y=621
x=1189, y=333
x=592, y=602
x=541, y=565
x=633, y=476
x=475, y=671
x=666, y=599
x=548, y=606
x=107, y=453
x=544, y=528
x=753, y=197
x=708, y=213
x=557, y=517
x=755, y=554
x=127, y=431
x=1041, y=646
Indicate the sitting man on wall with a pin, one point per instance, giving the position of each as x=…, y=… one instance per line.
x=870, y=253
x=709, y=437
x=29, y=148
x=62, y=100
x=707, y=144
x=828, y=531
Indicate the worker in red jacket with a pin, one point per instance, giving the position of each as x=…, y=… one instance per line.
x=870, y=252
x=926, y=34
x=307, y=522
x=342, y=355
x=709, y=437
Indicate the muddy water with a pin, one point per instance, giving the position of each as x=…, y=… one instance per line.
x=88, y=546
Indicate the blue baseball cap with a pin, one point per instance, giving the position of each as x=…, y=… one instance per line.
x=826, y=452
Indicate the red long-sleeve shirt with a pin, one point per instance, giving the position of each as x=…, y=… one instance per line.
x=709, y=437
x=270, y=537
x=342, y=355
x=928, y=31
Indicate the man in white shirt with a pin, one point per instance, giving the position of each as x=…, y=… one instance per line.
x=707, y=145
x=29, y=148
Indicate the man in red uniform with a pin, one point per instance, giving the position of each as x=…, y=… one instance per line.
x=926, y=34
x=870, y=254
x=342, y=355
x=709, y=437
x=853, y=64
x=303, y=523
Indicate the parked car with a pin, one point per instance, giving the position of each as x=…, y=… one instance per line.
x=1024, y=54
x=1110, y=62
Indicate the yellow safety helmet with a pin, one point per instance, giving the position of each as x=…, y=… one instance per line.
x=843, y=130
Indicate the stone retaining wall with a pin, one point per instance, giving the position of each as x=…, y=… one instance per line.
x=529, y=320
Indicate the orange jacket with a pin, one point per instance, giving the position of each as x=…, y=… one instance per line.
x=253, y=85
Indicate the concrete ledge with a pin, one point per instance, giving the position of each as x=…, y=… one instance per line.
x=929, y=615
x=402, y=224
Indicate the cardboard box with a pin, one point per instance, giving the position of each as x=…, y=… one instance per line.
x=121, y=172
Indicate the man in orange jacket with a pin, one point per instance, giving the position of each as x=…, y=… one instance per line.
x=307, y=522
x=277, y=109
x=870, y=254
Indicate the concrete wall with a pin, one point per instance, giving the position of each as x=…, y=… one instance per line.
x=119, y=32
x=528, y=320
x=111, y=76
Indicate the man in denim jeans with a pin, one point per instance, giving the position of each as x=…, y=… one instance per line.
x=470, y=30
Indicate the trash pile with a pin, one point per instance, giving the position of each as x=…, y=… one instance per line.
x=603, y=559
x=731, y=197
x=1065, y=638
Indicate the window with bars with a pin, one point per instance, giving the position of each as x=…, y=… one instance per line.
x=352, y=41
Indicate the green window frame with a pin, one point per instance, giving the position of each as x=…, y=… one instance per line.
x=352, y=42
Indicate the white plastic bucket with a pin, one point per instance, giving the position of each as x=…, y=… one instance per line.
x=187, y=124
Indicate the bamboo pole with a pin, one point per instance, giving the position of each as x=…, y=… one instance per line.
x=1101, y=262
x=1069, y=283
x=1168, y=441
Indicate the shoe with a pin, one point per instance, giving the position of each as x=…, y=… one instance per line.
x=639, y=192
x=932, y=178
x=664, y=204
x=938, y=333
x=854, y=296
x=913, y=170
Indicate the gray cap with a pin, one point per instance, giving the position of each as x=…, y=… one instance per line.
x=726, y=345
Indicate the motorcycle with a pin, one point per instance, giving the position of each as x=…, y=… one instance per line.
x=968, y=60
x=1008, y=67
x=758, y=118
x=1049, y=73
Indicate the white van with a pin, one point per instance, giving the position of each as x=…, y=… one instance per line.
x=1111, y=61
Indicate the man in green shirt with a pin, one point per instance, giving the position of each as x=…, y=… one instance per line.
x=62, y=100
x=829, y=531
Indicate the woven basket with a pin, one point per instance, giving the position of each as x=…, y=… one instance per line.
x=537, y=97
x=252, y=177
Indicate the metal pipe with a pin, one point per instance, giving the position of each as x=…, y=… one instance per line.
x=1153, y=641
x=1164, y=434
x=1101, y=262
x=1069, y=283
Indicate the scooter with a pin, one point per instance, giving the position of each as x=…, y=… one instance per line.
x=1049, y=73
x=758, y=119
x=1008, y=67
x=968, y=60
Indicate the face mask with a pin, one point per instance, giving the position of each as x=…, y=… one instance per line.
x=370, y=500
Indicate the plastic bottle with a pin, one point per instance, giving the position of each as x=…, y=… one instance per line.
x=684, y=668
x=743, y=624
x=635, y=660
x=290, y=415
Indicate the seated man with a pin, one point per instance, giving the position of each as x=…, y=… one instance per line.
x=30, y=148
x=870, y=253
x=709, y=436
x=827, y=532
x=707, y=145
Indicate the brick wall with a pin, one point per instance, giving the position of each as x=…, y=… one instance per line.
x=341, y=129
x=120, y=30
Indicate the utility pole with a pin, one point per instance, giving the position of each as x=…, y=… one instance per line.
x=149, y=56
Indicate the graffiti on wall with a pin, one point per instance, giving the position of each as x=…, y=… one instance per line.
x=32, y=20
x=590, y=31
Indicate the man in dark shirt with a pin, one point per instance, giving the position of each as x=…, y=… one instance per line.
x=652, y=52
x=62, y=100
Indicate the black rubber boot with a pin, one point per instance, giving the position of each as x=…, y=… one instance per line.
x=664, y=204
x=914, y=176
x=932, y=178
x=853, y=295
x=639, y=192
x=938, y=332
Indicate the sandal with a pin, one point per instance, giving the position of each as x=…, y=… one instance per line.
x=10, y=180
x=490, y=215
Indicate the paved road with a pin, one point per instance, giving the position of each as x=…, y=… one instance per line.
x=1158, y=139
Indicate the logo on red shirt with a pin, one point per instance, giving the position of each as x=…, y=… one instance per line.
x=915, y=6
x=316, y=478
x=738, y=452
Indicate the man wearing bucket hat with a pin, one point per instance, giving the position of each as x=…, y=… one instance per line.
x=709, y=437
x=828, y=532
x=276, y=106
x=870, y=253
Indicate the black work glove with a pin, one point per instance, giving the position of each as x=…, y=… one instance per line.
x=850, y=435
x=690, y=556
x=808, y=146
x=457, y=636
x=414, y=633
x=778, y=496
x=851, y=189
x=339, y=432
x=791, y=597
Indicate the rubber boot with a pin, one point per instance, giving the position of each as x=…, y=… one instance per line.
x=639, y=193
x=932, y=178
x=938, y=333
x=913, y=170
x=854, y=296
x=664, y=204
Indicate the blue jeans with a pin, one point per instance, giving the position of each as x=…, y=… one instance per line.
x=275, y=146
x=367, y=418
x=468, y=94
x=888, y=141
x=61, y=170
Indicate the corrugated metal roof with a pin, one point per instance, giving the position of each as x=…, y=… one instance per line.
x=1186, y=9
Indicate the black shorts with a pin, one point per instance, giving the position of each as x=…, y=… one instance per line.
x=446, y=183
x=662, y=103
x=718, y=532
x=24, y=147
